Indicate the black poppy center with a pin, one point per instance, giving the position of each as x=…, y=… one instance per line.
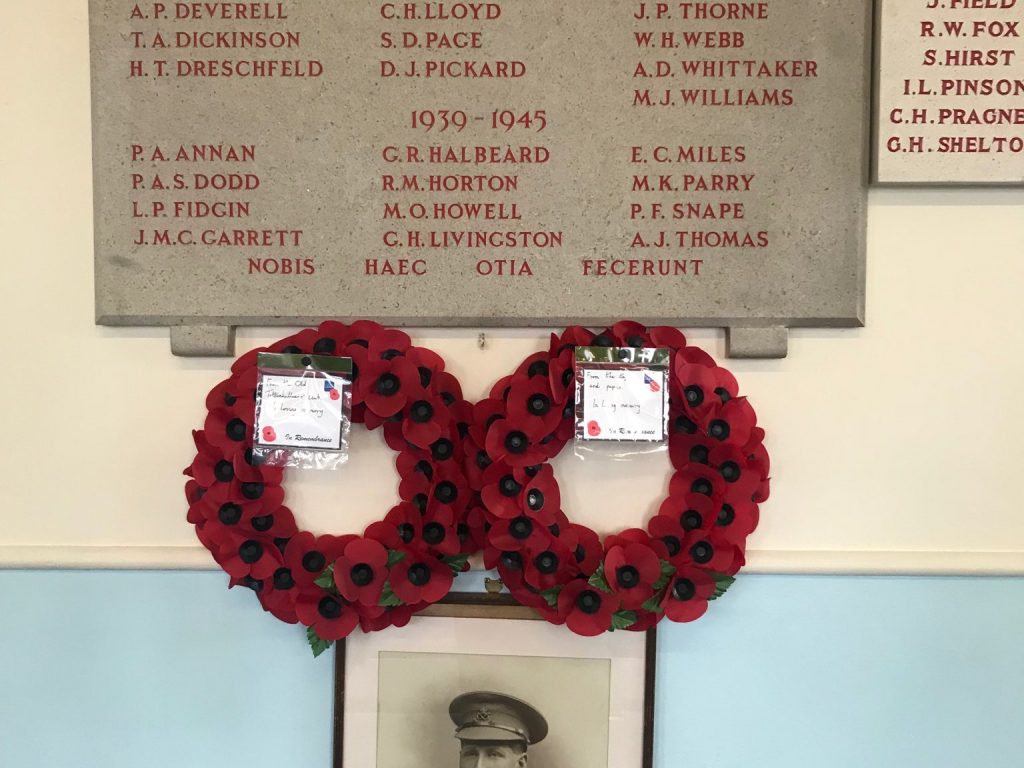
x=442, y=449
x=388, y=384
x=252, y=491
x=516, y=442
x=420, y=502
x=691, y=519
x=426, y=376
x=546, y=562
x=250, y=552
x=685, y=425
x=291, y=349
x=694, y=394
x=433, y=533
x=520, y=528
x=390, y=354
x=699, y=454
x=702, y=486
x=635, y=341
x=723, y=394
x=730, y=471
x=263, y=524
x=446, y=492
x=684, y=590
x=673, y=545
x=229, y=514
x=702, y=552
x=419, y=575
x=236, y=430
x=603, y=340
x=535, y=500
x=580, y=554
x=726, y=515
x=512, y=560
x=421, y=411
x=224, y=471
x=361, y=575
x=256, y=585
x=283, y=579
x=627, y=576
x=509, y=486
x=538, y=404
x=537, y=368
x=719, y=429
x=424, y=468
x=314, y=561
x=483, y=461
x=325, y=346
x=406, y=532
x=589, y=601
x=329, y=608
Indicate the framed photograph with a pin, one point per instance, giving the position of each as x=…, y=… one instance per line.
x=478, y=682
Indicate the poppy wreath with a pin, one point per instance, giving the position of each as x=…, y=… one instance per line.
x=333, y=584
x=690, y=550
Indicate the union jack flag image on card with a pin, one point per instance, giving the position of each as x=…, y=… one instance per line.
x=655, y=386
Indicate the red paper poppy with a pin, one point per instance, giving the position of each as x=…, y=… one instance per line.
x=740, y=478
x=628, y=333
x=518, y=533
x=589, y=551
x=388, y=343
x=515, y=442
x=327, y=614
x=425, y=419
x=550, y=566
x=503, y=488
x=385, y=386
x=308, y=556
x=531, y=403
x=686, y=598
x=419, y=577
x=279, y=604
x=361, y=570
x=587, y=610
x=250, y=557
x=631, y=571
x=704, y=552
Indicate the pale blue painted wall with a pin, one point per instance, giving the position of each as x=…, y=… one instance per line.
x=155, y=670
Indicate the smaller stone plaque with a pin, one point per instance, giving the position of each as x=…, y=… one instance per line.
x=950, y=92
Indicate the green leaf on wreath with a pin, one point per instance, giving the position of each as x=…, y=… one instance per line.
x=623, y=619
x=456, y=562
x=722, y=582
x=395, y=556
x=654, y=604
x=326, y=580
x=667, y=572
x=388, y=598
x=317, y=643
x=551, y=596
x=598, y=580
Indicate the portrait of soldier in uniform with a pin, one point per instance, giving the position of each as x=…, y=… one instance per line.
x=494, y=729
x=486, y=711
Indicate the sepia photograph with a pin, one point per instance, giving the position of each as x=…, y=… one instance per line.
x=492, y=693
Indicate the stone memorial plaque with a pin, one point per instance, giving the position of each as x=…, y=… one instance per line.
x=950, y=92
x=516, y=162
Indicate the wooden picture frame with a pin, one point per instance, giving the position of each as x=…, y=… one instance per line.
x=464, y=634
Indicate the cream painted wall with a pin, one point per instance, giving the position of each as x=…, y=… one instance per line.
x=894, y=446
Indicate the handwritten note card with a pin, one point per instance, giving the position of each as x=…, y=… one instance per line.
x=300, y=412
x=624, y=404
